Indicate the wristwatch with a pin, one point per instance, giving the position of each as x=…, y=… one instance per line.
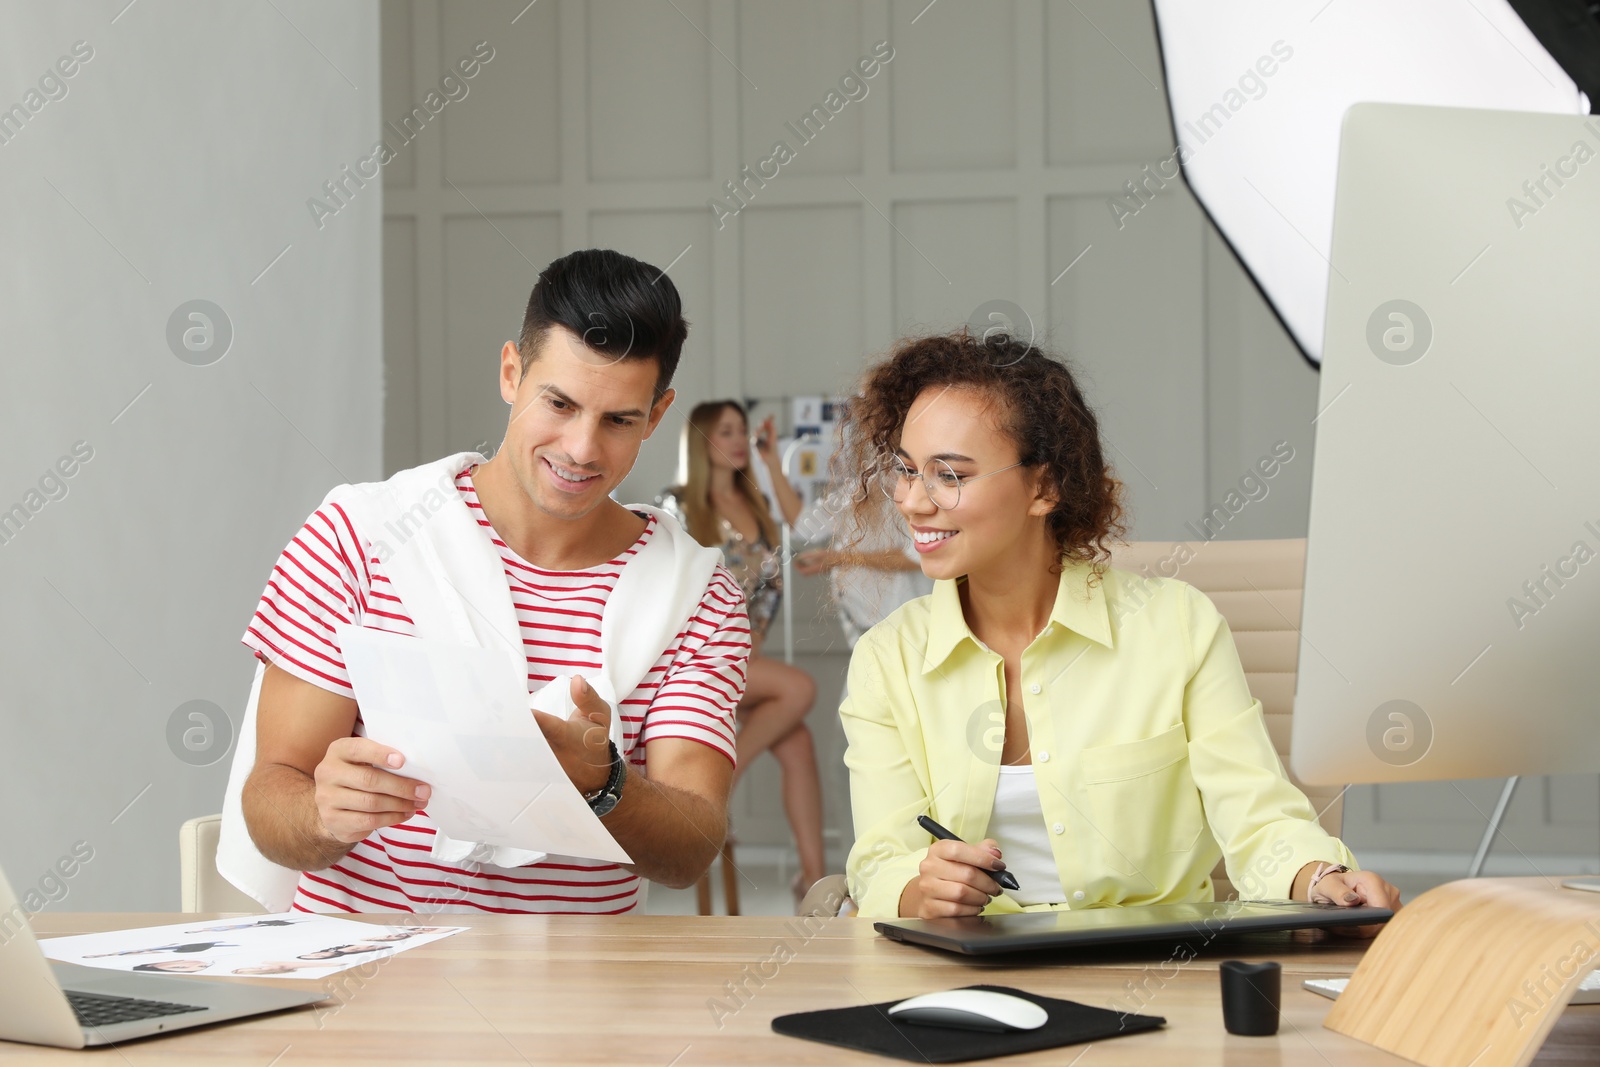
x=602, y=800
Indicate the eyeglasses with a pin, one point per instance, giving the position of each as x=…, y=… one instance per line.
x=938, y=478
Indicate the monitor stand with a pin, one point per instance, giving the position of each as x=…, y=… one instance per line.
x=1590, y=883
x=1493, y=827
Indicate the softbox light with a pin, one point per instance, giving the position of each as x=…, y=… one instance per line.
x=1258, y=89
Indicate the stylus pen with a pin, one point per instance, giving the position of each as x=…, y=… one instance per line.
x=1006, y=879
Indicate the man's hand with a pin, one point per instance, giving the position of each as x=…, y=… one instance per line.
x=582, y=742
x=953, y=879
x=355, y=795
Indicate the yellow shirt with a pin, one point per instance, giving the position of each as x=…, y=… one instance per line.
x=1151, y=756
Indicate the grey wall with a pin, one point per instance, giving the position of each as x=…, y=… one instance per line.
x=176, y=167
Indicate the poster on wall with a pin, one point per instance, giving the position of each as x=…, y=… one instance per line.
x=816, y=427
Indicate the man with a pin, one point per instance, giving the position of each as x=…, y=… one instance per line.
x=588, y=381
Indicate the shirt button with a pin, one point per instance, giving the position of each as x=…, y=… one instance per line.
x=1058, y=828
x=1033, y=689
x=1044, y=757
x=1078, y=895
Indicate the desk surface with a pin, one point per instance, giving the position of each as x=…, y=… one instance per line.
x=657, y=991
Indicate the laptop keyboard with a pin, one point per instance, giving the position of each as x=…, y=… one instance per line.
x=98, y=1009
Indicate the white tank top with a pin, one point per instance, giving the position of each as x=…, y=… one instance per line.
x=1017, y=825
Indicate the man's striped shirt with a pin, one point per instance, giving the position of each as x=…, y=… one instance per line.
x=329, y=574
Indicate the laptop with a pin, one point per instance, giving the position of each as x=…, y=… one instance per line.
x=983, y=935
x=70, y=1006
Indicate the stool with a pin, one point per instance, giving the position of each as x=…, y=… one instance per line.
x=730, y=883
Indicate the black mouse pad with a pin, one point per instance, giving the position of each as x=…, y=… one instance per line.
x=869, y=1028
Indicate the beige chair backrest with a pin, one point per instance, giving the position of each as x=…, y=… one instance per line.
x=1257, y=586
x=203, y=888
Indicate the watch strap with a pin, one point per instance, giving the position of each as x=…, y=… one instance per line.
x=602, y=800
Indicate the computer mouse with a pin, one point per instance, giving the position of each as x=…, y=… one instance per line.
x=971, y=1009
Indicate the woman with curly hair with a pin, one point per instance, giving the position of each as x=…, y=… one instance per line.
x=1086, y=728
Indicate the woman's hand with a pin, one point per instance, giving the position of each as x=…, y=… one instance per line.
x=814, y=561
x=789, y=501
x=953, y=880
x=1350, y=889
x=766, y=435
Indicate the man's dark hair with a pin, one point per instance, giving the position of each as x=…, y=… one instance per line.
x=614, y=303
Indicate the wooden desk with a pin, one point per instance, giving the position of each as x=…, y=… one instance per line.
x=645, y=990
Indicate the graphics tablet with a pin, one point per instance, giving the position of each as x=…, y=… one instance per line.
x=981, y=935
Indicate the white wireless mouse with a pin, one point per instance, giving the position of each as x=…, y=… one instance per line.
x=971, y=1009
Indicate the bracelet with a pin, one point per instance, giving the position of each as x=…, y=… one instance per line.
x=1316, y=876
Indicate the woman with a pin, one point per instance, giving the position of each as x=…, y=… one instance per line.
x=1088, y=729
x=720, y=504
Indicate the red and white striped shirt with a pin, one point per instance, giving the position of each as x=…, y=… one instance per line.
x=328, y=574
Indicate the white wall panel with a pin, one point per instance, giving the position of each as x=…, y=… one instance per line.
x=1104, y=101
x=950, y=257
x=1260, y=391
x=802, y=299
x=1130, y=313
x=402, y=411
x=954, y=87
x=660, y=237
x=799, y=62
x=639, y=129
x=488, y=274
x=396, y=95
x=507, y=127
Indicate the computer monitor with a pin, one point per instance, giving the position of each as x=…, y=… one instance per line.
x=1451, y=620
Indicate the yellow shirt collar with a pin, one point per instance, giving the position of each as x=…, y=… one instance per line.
x=1080, y=607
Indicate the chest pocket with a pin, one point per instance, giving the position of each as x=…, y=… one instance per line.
x=1145, y=804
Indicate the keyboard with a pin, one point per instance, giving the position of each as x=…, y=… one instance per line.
x=1588, y=991
x=98, y=1009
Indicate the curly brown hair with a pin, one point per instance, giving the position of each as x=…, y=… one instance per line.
x=1042, y=410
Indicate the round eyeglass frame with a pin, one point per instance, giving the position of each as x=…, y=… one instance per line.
x=895, y=480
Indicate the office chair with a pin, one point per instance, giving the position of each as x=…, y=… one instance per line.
x=203, y=889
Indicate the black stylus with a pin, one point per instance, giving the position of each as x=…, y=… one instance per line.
x=1006, y=879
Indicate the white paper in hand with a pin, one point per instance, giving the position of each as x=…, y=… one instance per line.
x=459, y=714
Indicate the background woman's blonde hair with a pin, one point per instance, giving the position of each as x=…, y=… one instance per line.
x=694, y=472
